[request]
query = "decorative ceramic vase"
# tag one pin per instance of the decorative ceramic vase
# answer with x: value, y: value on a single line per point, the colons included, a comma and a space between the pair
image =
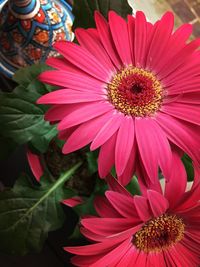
x: 28, y: 29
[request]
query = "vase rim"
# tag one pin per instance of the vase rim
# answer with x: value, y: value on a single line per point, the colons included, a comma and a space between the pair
x: 24, y: 9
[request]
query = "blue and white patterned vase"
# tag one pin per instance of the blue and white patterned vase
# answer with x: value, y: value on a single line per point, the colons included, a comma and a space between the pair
x: 28, y: 29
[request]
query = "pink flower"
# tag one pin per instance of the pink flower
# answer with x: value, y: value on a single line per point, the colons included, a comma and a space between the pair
x: 155, y: 229
x: 131, y: 89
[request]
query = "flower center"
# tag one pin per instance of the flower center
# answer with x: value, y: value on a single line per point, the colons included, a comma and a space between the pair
x: 159, y: 233
x: 135, y: 92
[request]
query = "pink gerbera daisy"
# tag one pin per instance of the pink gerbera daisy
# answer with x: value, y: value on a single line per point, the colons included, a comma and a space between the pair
x: 131, y: 89
x: 155, y: 229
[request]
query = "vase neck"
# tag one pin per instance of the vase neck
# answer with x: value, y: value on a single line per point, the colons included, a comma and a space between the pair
x: 24, y: 9
x: 21, y: 3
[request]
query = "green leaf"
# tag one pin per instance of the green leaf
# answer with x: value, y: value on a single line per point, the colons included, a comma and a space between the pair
x: 28, y: 213
x: 60, y: 143
x: 84, y: 11
x: 92, y: 161
x: 87, y: 208
x: 41, y: 143
x: 25, y: 76
x: 189, y: 167
x: 76, y: 233
x: 20, y: 117
x: 133, y: 187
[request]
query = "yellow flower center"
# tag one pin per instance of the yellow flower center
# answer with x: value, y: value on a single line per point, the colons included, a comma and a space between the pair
x: 136, y: 92
x: 159, y: 234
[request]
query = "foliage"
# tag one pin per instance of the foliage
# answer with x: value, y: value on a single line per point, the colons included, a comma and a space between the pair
x: 188, y: 167
x: 21, y: 119
x: 84, y: 11
x: 28, y: 213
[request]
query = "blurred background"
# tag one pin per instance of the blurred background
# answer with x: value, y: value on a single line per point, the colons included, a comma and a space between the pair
x: 186, y: 11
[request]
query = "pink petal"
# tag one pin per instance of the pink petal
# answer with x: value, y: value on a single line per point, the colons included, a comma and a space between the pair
x: 111, y: 239
x: 35, y: 164
x: 115, y: 254
x: 63, y: 64
x: 164, y: 149
x: 141, y: 260
x: 84, y: 113
x: 143, y: 209
x: 176, y: 185
x: 110, y: 127
x: 69, y: 96
x: 176, y: 43
x: 104, y: 208
x: 151, y: 30
x: 156, y: 260
x: 129, y: 170
x: 64, y: 135
x: 71, y: 80
x: 73, y: 202
x: 92, y: 43
x: 114, y: 185
x: 85, y: 261
x: 119, y: 31
x: 190, y: 98
x: 193, y: 236
x: 147, y: 146
x: 108, y: 226
x: 140, y: 40
x: 179, y: 59
x: 91, y: 236
x: 189, y: 199
x: 144, y: 181
x: 183, y: 86
x: 124, y: 144
x: 58, y: 112
x: 172, y: 258
x: 131, y: 31
x: 181, y: 133
x: 94, y: 32
x: 185, y: 112
x: 106, y: 157
x: 101, y: 259
x: 184, y: 256
x: 129, y: 258
x: 85, y: 133
x: 102, y: 249
x: 90, y: 250
x: 160, y: 40
x: 106, y: 39
x: 190, y: 68
x: 123, y: 205
x: 191, y: 215
x: 181, y: 35
x: 158, y: 203
x: 83, y: 59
